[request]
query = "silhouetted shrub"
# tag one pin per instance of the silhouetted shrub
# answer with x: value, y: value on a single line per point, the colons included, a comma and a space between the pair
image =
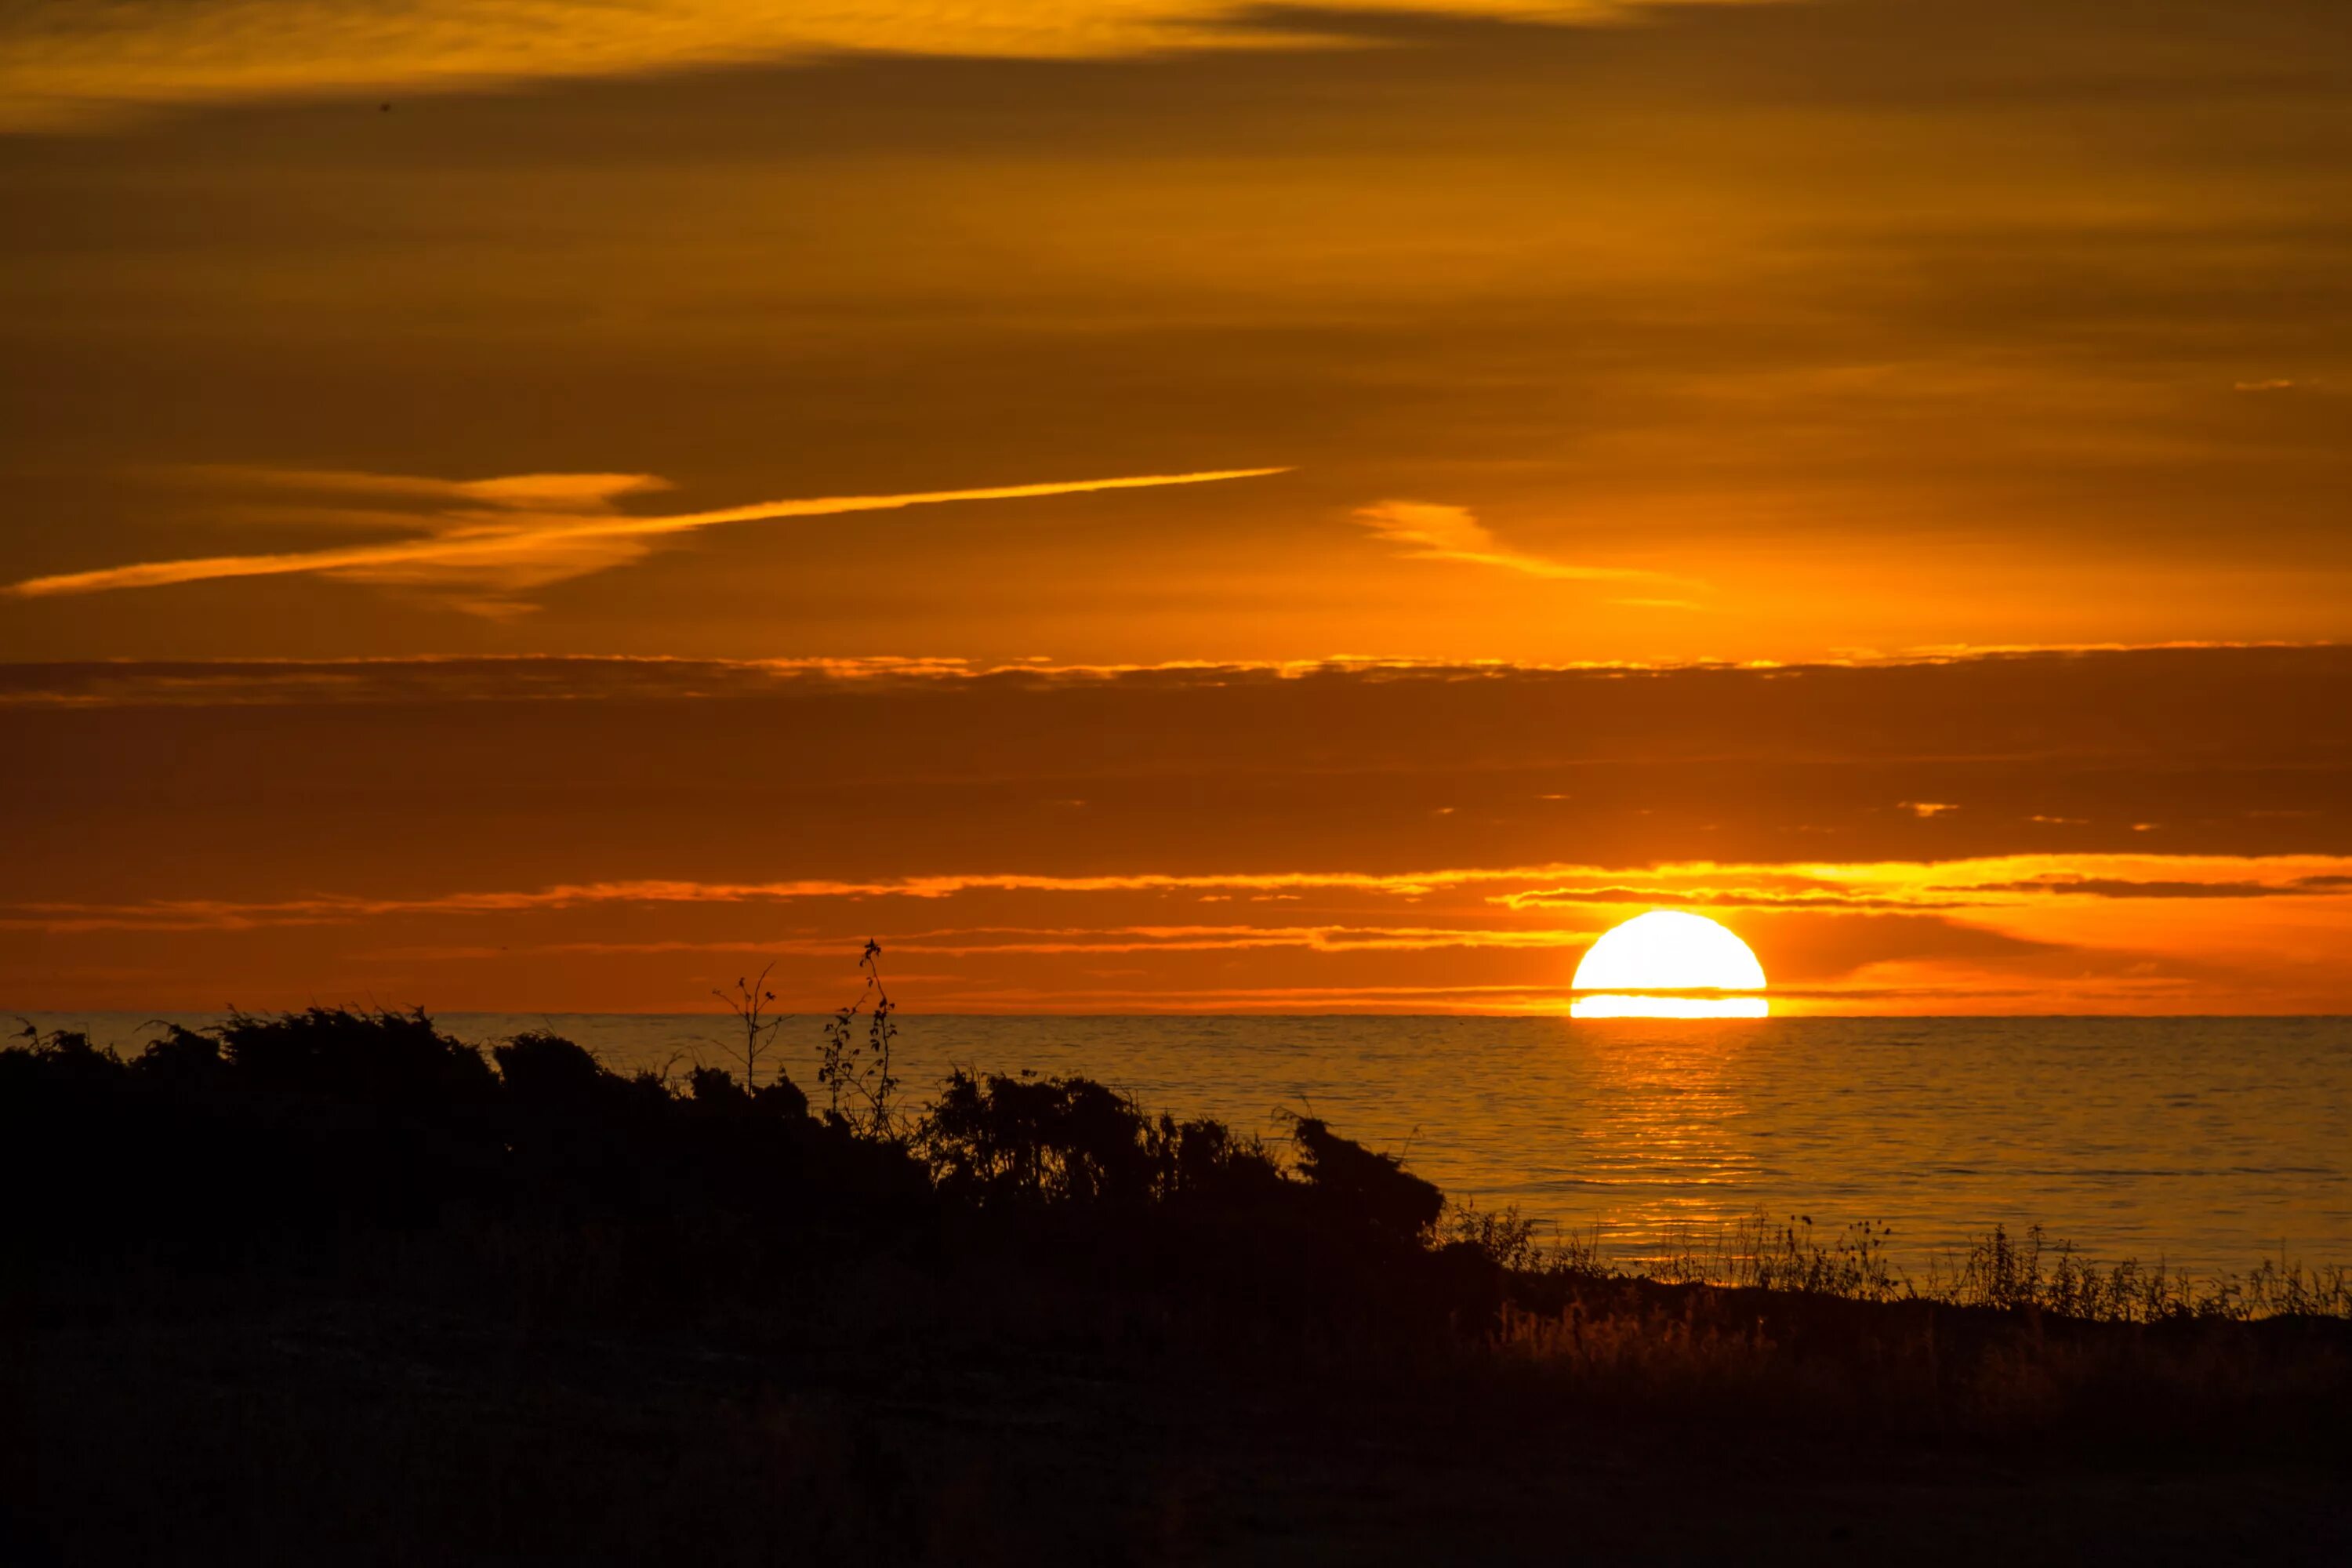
x: 1362, y: 1185
x: 999, y: 1139
x: 544, y: 1068
x: 715, y: 1091
x: 780, y: 1099
x: 64, y: 1058
x: 379, y: 1058
x: 1203, y: 1160
x: 861, y: 1090
x: 183, y: 1057
x: 1503, y: 1236
x: 715, y: 1088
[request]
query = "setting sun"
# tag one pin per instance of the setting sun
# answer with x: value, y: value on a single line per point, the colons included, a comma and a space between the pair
x: 1666, y: 951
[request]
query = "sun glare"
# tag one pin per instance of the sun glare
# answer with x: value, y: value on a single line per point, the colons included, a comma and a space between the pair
x: 1669, y: 965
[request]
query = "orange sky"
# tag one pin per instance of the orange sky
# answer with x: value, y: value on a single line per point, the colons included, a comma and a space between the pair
x: 1121, y: 500
x: 2154, y: 830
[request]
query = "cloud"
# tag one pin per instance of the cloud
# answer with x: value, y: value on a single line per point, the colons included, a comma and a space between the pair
x: 510, y: 534
x: 518, y: 492
x: 1430, y: 531
x: 666, y: 767
x: 2026, y: 695
x: 75, y: 63
x: 1443, y: 938
x: 2124, y: 887
x: 1903, y: 888
x: 217, y: 914
x: 1713, y: 897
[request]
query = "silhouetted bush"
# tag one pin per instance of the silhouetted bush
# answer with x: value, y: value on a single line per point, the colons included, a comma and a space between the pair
x: 394, y: 1060
x: 62, y: 1057
x: 1205, y: 1161
x: 541, y: 1067
x: 1358, y: 1183
x: 183, y: 1057
x: 716, y: 1090
x: 997, y: 1139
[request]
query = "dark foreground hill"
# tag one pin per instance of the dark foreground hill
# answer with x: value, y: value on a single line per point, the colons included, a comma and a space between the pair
x: 332, y: 1286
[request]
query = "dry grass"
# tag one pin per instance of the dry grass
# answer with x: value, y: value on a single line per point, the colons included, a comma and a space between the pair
x: 2027, y: 1273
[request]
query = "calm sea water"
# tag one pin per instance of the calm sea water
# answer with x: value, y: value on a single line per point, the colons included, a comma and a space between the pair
x: 2208, y: 1142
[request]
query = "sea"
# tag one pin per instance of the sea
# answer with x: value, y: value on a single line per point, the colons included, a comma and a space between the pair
x: 2207, y: 1144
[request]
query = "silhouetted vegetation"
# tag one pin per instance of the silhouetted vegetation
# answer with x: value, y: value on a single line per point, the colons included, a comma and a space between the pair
x: 1996, y: 1271
x: 749, y: 1001
x: 871, y: 1294
x: 854, y: 1067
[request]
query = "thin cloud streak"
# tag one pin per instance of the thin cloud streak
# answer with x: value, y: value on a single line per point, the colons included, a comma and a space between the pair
x: 526, y: 492
x: 1431, y: 530
x: 408, y: 679
x: 1318, y: 939
x: 522, y: 544
x: 1992, y: 883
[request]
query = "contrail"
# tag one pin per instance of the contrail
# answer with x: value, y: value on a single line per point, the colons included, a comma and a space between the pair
x: 492, y: 540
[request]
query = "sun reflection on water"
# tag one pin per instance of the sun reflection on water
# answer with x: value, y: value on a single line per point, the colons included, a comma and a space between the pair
x: 1662, y: 1102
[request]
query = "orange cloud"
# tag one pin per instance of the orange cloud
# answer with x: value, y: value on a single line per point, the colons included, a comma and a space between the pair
x: 1428, y: 531
x: 529, y: 531
x: 65, y: 67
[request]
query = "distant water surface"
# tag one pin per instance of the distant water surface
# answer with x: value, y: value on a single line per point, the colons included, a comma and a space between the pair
x: 2208, y: 1142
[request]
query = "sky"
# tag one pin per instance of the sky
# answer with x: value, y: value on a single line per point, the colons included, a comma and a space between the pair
x: 1153, y: 506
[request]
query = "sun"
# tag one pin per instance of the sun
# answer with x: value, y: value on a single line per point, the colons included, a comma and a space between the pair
x: 1694, y: 961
